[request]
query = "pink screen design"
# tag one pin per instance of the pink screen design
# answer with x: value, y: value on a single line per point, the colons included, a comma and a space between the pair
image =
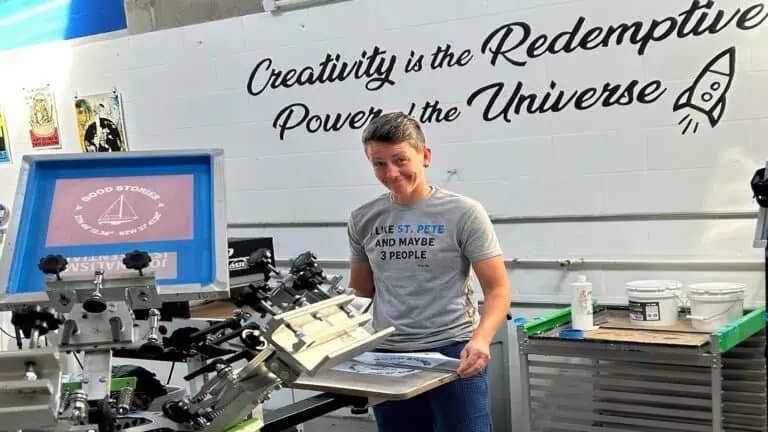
x: 109, y: 210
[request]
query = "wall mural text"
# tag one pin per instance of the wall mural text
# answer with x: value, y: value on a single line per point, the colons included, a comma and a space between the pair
x: 515, y: 44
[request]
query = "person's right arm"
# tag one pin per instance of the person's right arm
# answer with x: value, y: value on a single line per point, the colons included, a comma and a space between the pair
x: 361, y: 279
x: 360, y: 273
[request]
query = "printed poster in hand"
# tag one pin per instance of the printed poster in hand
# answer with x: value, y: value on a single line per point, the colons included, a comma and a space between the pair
x: 42, y: 117
x: 5, y: 145
x: 100, y: 123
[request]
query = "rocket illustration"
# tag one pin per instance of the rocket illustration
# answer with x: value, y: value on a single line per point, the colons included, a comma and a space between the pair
x: 708, y: 92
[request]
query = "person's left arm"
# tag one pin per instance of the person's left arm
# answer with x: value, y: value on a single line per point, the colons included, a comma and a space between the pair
x: 481, y: 244
x: 492, y: 275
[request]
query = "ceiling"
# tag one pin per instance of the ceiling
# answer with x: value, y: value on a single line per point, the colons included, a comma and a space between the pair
x: 151, y: 15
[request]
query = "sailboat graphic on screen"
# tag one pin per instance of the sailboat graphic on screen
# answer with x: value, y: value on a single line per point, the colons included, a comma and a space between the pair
x: 119, y: 212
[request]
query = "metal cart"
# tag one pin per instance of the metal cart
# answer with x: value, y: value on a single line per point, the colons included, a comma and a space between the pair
x: 625, y: 379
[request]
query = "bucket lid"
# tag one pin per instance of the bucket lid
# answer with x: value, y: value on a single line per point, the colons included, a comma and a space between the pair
x: 716, y: 288
x: 654, y: 285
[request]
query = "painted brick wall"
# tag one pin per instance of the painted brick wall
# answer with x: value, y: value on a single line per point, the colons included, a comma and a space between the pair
x: 187, y: 87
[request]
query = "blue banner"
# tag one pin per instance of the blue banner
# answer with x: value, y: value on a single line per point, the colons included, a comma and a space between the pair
x: 31, y: 22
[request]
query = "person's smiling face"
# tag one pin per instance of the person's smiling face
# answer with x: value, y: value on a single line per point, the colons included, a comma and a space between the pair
x: 400, y: 168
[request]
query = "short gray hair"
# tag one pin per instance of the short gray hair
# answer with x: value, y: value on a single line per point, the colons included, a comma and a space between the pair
x: 394, y: 128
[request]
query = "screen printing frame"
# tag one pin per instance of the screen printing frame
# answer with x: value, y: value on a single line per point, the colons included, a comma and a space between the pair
x: 216, y: 288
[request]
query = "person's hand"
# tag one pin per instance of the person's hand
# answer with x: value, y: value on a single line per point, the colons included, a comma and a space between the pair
x: 474, y: 357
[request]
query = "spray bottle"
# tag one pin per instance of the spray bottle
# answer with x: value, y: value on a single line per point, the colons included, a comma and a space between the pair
x: 581, y: 304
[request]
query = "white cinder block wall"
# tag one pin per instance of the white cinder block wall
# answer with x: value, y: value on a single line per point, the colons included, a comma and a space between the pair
x: 616, y: 147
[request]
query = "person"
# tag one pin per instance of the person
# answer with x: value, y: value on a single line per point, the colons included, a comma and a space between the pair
x: 411, y: 251
x: 100, y: 134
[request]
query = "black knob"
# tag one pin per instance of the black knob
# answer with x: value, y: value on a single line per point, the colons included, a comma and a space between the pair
x: 253, y: 340
x: 95, y: 304
x: 260, y: 257
x: 178, y: 411
x: 305, y: 260
x: 152, y: 349
x: 137, y: 260
x: 36, y: 317
x: 52, y: 264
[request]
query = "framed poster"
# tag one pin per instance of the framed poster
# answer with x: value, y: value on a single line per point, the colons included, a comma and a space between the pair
x: 5, y: 144
x: 42, y: 118
x: 100, y: 123
x: 93, y: 208
x: 4, y: 215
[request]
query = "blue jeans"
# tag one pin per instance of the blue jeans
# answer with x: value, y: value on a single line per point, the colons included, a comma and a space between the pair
x: 460, y: 406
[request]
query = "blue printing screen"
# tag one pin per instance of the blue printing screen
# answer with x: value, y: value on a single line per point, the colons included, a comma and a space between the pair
x: 196, y: 257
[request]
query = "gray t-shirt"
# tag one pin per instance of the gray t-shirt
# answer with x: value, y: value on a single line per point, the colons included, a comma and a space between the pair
x: 421, y: 257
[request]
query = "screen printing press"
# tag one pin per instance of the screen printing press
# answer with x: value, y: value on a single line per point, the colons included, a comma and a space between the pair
x: 101, y: 248
x: 357, y: 383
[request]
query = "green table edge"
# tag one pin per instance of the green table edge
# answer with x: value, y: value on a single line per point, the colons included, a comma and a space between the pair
x: 547, y: 321
x: 246, y: 426
x: 728, y: 336
x: 740, y: 330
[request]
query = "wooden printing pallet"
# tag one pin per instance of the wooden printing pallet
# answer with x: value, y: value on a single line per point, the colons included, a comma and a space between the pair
x: 683, y: 325
x: 647, y: 336
x: 615, y: 326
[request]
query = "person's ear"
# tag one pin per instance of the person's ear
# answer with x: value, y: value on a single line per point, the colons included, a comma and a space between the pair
x: 427, y: 156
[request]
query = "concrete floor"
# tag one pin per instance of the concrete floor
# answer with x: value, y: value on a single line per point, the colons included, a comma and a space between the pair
x: 337, y: 424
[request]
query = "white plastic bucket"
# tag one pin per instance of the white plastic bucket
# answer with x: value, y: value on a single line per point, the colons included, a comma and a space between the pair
x: 715, y: 304
x: 654, y: 302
